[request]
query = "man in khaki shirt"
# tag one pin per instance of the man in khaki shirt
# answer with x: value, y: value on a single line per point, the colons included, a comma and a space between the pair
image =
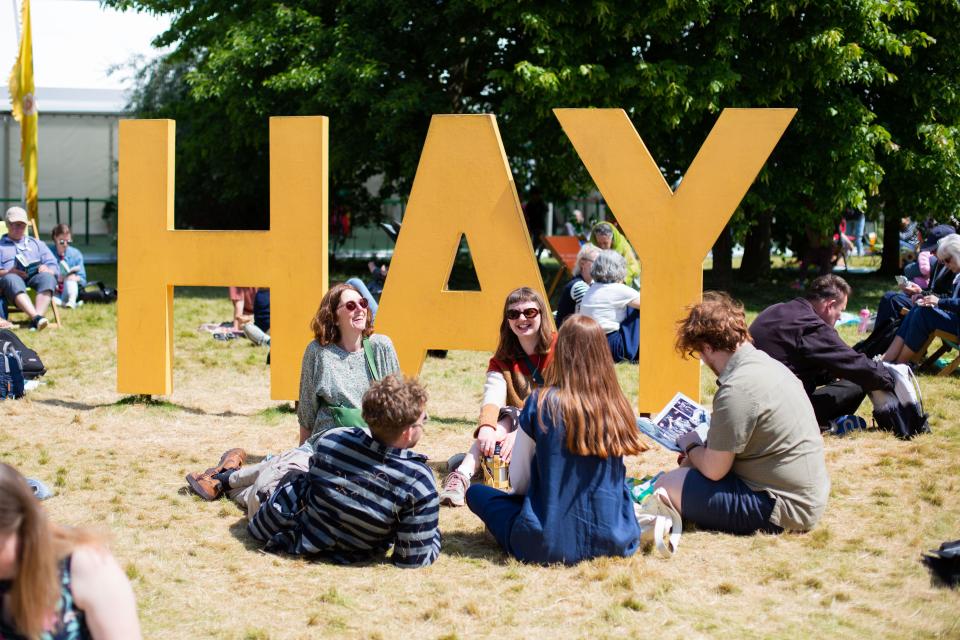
x: 762, y: 467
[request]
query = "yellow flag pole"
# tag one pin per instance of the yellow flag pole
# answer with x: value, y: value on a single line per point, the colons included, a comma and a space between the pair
x: 24, y: 108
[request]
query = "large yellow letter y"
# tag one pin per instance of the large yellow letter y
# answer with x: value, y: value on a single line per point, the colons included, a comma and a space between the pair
x: 671, y: 232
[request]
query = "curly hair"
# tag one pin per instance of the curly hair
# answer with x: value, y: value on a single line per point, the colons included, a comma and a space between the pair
x: 393, y: 404
x: 324, y: 323
x: 717, y: 321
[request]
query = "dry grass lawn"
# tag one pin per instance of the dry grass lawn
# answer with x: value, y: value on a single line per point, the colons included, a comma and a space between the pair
x: 120, y: 467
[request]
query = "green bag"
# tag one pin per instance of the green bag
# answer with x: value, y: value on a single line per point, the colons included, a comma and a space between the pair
x: 350, y: 416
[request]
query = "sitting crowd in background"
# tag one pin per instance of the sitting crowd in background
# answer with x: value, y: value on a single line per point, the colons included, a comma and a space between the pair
x: 937, y: 309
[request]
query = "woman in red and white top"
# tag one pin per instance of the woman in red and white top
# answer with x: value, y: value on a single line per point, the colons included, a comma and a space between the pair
x: 515, y: 370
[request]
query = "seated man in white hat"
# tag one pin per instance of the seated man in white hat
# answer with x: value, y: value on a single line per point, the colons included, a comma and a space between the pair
x: 26, y: 262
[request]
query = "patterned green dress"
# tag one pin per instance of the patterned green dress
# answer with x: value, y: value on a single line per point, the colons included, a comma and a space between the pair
x: 67, y: 623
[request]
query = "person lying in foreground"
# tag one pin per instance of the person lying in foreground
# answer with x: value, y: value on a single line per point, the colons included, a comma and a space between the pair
x: 363, y: 492
x: 56, y: 583
x: 570, y: 500
x: 762, y: 467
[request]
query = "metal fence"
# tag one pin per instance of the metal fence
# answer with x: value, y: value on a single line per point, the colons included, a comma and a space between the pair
x: 65, y: 207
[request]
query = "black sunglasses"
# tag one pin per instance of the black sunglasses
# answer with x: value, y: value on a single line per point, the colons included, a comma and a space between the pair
x: 528, y: 313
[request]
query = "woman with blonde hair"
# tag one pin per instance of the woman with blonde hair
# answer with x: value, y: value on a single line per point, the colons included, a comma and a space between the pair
x: 56, y: 583
x: 570, y: 500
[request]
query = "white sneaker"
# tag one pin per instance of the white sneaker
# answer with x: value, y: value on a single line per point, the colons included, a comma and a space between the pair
x: 454, y: 490
x: 70, y: 304
x: 56, y: 301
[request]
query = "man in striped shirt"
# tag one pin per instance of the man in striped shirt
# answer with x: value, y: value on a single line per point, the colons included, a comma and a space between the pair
x: 363, y: 493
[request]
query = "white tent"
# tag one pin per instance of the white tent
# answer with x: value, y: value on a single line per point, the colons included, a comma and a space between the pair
x: 76, y: 44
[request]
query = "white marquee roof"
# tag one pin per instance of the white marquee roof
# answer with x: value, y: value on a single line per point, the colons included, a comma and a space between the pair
x: 76, y: 43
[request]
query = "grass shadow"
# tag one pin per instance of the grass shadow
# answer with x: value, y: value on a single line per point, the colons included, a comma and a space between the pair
x: 166, y: 405
x: 478, y: 545
x: 239, y: 531
x: 76, y: 406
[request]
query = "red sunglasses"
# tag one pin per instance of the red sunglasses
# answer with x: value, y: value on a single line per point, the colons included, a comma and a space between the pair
x: 352, y: 305
x: 528, y: 313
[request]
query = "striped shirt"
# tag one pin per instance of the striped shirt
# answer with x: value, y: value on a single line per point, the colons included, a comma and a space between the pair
x: 359, y: 498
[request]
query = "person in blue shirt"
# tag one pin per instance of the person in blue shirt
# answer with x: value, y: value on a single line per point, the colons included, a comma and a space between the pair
x: 72, y: 273
x: 931, y: 312
x: 570, y: 500
x: 20, y: 254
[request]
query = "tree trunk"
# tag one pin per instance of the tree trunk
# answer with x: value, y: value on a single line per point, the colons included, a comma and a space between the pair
x: 756, y: 248
x: 890, y: 262
x: 722, y: 272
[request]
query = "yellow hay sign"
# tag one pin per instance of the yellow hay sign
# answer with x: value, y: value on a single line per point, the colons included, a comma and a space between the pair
x: 463, y: 188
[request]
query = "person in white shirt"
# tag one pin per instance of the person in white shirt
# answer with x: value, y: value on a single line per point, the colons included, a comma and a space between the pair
x: 614, y: 305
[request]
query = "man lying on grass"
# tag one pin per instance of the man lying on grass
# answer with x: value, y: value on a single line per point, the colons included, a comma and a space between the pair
x: 363, y: 493
x: 762, y: 467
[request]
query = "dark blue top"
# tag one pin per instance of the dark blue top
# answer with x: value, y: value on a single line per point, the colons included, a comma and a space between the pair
x: 567, y: 305
x: 577, y: 507
x: 949, y: 304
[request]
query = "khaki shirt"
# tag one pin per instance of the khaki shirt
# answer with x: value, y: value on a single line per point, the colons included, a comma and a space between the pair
x: 762, y: 414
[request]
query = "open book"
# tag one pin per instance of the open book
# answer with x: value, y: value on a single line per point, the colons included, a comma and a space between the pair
x: 680, y: 416
x: 66, y: 269
x: 30, y: 268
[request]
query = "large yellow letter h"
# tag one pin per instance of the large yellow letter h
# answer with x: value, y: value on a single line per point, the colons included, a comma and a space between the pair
x: 290, y: 258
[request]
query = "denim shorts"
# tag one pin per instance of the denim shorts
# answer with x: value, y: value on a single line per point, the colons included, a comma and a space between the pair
x: 726, y: 505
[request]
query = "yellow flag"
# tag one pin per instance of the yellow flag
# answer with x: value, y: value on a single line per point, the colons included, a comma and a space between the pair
x: 24, y: 107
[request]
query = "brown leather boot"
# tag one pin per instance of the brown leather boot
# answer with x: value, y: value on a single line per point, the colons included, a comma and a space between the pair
x: 205, y: 485
x: 231, y: 459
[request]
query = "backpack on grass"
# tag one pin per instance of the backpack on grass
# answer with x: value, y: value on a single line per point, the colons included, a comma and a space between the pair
x: 11, y: 372
x: 29, y: 360
x: 97, y: 293
x: 901, y: 411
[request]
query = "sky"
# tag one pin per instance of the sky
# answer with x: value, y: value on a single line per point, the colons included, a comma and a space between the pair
x: 75, y: 42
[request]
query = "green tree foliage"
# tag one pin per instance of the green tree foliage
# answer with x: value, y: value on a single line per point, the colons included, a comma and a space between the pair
x: 858, y: 71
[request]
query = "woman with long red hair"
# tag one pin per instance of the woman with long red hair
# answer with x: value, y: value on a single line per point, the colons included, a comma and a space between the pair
x: 56, y: 583
x: 570, y: 501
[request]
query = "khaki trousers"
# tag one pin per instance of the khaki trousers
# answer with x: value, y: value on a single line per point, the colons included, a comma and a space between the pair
x: 252, y: 484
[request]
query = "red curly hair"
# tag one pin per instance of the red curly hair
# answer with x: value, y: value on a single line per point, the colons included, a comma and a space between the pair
x: 717, y: 321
